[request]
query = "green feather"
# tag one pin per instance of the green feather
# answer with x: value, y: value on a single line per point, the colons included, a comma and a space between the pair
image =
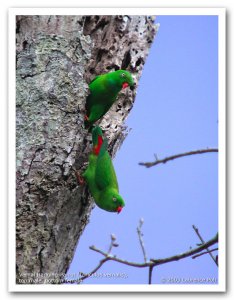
x: 105, y: 173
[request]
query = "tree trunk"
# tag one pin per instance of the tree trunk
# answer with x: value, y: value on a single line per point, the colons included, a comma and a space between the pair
x: 56, y: 57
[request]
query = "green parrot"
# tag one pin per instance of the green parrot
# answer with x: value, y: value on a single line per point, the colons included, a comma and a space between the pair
x: 100, y: 175
x: 103, y: 93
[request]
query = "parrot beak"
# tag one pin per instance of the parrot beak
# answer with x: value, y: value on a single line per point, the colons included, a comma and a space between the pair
x: 125, y: 85
x: 119, y: 208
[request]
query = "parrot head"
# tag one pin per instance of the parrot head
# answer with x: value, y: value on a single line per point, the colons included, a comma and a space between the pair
x: 111, y: 201
x: 123, y: 78
x: 118, y: 203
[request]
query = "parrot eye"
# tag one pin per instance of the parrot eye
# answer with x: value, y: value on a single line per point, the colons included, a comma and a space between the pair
x: 114, y: 199
x: 123, y: 75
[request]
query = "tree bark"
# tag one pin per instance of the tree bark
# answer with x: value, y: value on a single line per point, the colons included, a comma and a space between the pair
x: 56, y: 57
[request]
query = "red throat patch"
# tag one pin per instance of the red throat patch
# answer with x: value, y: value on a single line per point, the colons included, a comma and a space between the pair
x: 124, y: 85
x: 96, y: 148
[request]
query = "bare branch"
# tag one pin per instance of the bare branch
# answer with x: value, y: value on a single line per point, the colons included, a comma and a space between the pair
x: 201, y: 239
x: 205, y: 252
x: 152, y: 263
x: 140, y: 235
x: 122, y: 261
x: 166, y: 159
x: 204, y: 246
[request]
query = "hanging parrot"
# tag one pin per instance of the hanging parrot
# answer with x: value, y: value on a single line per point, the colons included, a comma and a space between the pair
x: 103, y: 93
x: 100, y: 175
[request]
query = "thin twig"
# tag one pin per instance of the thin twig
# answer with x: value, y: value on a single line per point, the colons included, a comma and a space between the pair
x: 191, y: 252
x: 201, y: 239
x: 122, y: 261
x: 107, y: 257
x: 150, y: 274
x: 140, y: 235
x: 94, y: 270
x: 166, y: 159
x: 112, y: 244
x: 205, y: 252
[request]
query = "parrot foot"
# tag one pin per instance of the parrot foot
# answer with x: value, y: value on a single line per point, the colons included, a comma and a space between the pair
x: 79, y: 178
x: 86, y: 122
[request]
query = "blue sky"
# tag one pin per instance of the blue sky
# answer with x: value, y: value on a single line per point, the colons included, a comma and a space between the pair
x: 176, y: 110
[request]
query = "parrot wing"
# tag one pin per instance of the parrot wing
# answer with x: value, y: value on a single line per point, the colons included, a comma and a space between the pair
x: 105, y: 173
x: 92, y: 99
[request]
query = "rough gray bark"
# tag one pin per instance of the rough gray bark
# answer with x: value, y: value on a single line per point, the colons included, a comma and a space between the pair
x: 56, y: 57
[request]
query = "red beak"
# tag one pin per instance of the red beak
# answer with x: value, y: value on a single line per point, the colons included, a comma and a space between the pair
x: 119, y: 208
x: 124, y: 85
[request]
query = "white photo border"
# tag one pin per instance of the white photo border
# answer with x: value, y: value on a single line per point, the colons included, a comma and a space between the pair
x: 221, y: 286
